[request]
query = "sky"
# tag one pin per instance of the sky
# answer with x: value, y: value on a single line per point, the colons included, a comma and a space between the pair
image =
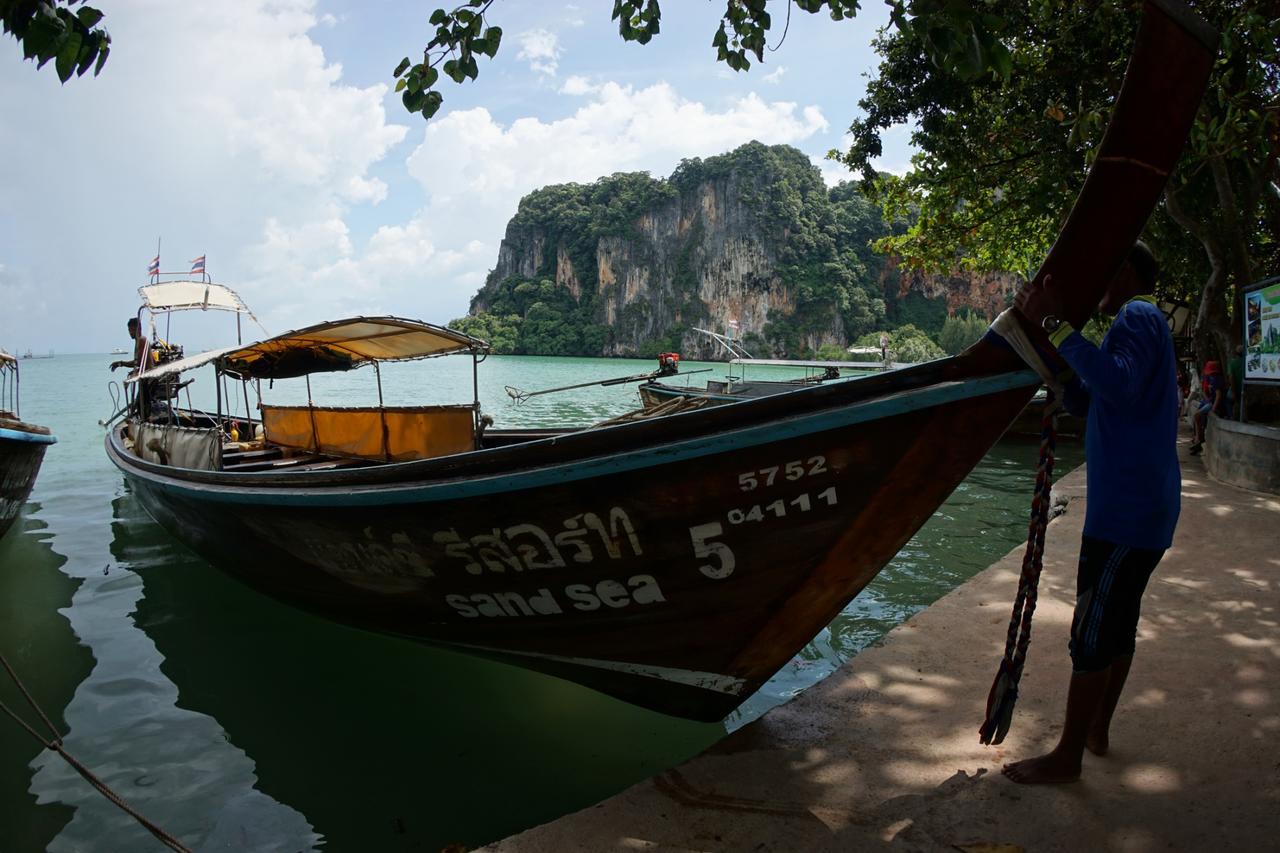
x: 265, y: 135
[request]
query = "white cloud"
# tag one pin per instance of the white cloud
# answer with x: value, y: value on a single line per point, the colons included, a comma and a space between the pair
x: 541, y: 49
x: 225, y: 129
x: 775, y: 76
x: 577, y: 85
x: 620, y: 128
x: 475, y: 169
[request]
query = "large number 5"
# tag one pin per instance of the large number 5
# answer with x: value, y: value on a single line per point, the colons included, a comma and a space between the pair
x: 720, y: 551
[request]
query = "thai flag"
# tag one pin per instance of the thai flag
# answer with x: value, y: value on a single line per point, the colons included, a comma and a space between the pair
x: 153, y: 268
x: 197, y: 266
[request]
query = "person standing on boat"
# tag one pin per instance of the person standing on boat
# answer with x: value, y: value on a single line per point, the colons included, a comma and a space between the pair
x: 146, y: 388
x: 139, y: 345
x: 1129, y: 388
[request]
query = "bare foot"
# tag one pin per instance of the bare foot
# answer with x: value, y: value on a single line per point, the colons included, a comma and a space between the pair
x: 1097, y: 743
x: 1050, y: 769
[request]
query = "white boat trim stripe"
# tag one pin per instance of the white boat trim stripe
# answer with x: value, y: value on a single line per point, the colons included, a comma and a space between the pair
x: 727, y: 684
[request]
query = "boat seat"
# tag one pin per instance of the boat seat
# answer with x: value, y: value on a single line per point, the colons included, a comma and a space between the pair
x: 272, y: 464
x: 328, y: 464
x: 248, y: 455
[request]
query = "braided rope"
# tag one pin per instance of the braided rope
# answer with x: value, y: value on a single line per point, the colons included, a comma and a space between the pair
x: 55, y: 744
x: 1004, y: 689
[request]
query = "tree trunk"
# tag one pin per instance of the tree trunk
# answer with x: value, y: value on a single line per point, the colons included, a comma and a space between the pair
x: 1212, y: 328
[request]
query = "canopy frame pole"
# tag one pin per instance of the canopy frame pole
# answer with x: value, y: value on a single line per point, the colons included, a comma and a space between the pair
x: 475, y: 403
x: 382, y: 415
x: 311, y: 409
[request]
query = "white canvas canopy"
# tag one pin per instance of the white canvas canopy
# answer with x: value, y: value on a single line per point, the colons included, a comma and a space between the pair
x: 173, y: 368
x: 188, y: 295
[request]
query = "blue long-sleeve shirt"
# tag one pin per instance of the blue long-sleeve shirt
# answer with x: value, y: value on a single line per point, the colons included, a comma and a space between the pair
x: 1130, y: 389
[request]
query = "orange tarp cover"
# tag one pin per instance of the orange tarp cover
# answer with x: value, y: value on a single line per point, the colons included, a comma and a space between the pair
x: 390, y: 434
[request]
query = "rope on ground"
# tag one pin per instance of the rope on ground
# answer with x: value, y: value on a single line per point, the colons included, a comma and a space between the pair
x: 55, y: 744
x: 1004, y: 689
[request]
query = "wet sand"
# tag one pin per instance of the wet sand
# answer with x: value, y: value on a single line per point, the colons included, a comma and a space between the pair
x: 884, y: 753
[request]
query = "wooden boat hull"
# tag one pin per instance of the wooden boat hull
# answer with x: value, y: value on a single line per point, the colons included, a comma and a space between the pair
x: 1028, y: 423
x: 678, y: 562
x: 22, y: 448
x: 679, y: 574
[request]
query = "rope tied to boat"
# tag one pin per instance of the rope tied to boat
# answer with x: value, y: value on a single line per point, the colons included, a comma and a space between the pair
x: 55, y: 744
x: 1007, y: 326
x: 1004, y: 689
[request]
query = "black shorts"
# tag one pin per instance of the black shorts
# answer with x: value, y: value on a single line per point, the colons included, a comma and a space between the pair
x: 1109, y: 586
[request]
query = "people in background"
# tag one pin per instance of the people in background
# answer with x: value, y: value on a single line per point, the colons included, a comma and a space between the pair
x: 1215, y: 400
x: 1184, y: 387
x: 139, y: 345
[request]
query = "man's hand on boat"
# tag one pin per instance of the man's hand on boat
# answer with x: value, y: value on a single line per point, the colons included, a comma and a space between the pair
x: 1039, y: 299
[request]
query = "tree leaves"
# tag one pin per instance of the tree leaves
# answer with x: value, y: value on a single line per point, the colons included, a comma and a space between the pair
x: 460, y: 36
x: 48, y: 30
x: 955, y: 35
x: 1002, y: 156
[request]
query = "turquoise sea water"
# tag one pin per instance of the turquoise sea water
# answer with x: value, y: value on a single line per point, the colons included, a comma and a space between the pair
x: 238, y: 723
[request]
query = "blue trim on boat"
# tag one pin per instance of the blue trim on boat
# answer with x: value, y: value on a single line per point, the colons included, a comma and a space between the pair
x: 382, y: 494
x: 28, y: 437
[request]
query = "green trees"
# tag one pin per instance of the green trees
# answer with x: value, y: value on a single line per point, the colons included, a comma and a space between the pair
x: 502, y: 332
x: 907, y: 343
x: 527, y: 317
x: 960, y: 330
x: 1001, y: 158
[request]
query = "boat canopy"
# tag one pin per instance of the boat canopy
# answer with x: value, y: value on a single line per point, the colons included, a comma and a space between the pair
x: 5, y: 357
x: 187, y: 295
x: 331, y: 346
x: 173, y: 368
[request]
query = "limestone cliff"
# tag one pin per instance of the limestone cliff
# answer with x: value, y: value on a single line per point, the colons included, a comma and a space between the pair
x: 631, y: 265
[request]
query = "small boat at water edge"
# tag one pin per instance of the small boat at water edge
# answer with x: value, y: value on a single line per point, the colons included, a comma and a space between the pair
x: 676, y: 562
x: 22, y: 447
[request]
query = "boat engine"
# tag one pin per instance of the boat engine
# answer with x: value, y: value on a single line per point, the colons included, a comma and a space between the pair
x: 668, y: 363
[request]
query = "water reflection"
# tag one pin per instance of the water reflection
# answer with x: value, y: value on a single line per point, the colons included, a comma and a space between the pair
x: 382, y: 743
x: 38, y: 642
x: 124, y: 721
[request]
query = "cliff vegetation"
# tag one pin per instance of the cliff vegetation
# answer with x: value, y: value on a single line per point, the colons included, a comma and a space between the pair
x: 634, y: 265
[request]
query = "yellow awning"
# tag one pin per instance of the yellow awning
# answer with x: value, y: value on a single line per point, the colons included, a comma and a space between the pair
x: 345, y: 344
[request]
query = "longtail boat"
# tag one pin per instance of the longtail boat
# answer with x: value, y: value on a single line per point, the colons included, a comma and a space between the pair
x: 22, y: 447
x: 675, y: 562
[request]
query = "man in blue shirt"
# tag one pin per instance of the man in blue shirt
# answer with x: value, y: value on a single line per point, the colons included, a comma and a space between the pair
x: 1129, y: 389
